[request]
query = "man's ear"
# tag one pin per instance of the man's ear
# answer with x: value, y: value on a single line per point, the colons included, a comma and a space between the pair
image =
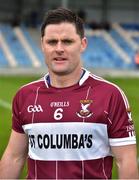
x: 83, y: 44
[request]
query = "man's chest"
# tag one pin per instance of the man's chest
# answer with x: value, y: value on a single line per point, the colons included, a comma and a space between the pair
x: 75, y: 106
x: 62, y: 124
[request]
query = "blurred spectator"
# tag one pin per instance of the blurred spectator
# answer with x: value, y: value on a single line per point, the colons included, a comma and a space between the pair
x: 100, y: 26
x: 16, y: 20
x: 82, y: 14
x: 33, y: 18
x: 136, y: 59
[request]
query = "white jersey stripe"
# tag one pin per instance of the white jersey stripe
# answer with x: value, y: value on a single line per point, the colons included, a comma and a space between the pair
x: 52, y: 142
x: 82, y: 169
x: 56, y: 170
x: 88, y: 92
x: 37, y: 92
x: 103, y: 165
x: 67, y: 145
x: 35, y: 170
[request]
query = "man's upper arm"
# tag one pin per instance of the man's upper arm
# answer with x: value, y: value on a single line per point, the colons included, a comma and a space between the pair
x: 124, y: 152
x: 126, y: 160
x: 17, y: 146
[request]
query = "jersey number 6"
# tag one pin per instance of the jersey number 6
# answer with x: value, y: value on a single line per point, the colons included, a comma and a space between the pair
x: 58, y: 114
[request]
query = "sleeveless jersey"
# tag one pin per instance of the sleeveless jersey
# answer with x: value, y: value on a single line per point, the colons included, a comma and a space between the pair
x: 70, y: 130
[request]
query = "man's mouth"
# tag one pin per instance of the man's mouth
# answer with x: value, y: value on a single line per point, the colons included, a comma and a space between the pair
x: 59, y: 59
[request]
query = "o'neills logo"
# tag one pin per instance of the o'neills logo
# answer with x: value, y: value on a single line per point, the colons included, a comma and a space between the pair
x: 85, y: 112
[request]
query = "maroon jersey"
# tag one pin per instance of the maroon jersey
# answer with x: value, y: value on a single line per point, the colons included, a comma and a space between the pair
x: 70, y: 130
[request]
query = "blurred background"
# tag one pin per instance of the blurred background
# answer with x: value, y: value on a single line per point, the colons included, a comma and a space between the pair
x: 112, y: 29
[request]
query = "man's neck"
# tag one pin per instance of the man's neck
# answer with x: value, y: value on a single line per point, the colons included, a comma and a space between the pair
x: 61, y: 81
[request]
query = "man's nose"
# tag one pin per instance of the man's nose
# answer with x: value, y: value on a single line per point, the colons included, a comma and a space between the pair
x: 59, y: 47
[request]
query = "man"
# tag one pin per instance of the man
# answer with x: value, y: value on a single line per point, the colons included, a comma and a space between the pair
x: 70, y: 123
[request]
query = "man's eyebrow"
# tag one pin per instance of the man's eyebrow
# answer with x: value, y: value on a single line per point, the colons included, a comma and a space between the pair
x: 62, y: 39
x: 49, y: 39
x: 69, y: 39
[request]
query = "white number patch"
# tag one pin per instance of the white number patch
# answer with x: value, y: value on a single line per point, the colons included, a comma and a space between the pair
x: 58, y: 114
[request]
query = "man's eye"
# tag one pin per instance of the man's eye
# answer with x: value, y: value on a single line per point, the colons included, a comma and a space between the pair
x: 67, y: 41
x: 52, y: 42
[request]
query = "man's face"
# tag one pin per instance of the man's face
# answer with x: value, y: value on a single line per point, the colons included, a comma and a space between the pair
x: 62, y: 48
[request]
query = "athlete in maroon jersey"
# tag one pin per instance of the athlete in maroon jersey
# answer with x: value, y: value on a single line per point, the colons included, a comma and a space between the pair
x: 70, y: 123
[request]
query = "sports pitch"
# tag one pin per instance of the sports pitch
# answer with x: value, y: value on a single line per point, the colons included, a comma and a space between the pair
x: 9, y: 86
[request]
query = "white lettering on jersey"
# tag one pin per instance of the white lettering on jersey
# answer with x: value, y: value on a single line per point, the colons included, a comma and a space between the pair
x: 34, y: 108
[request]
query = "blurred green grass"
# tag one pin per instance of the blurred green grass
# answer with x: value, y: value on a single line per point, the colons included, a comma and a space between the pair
x: 10, y: 84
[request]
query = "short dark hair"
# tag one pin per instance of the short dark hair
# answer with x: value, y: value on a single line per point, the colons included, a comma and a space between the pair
x: 60, y: 15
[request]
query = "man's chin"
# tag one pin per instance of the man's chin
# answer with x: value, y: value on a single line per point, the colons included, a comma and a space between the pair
x: 61, y: 72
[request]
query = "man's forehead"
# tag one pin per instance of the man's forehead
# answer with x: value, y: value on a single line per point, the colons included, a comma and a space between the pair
x: 64, y: 28
x: 59, y: 38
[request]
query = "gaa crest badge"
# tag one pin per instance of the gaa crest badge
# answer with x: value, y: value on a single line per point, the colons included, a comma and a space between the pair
x: 85, y: 112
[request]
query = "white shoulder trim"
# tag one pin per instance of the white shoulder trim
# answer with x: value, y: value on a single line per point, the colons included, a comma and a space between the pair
x: 122, y: 141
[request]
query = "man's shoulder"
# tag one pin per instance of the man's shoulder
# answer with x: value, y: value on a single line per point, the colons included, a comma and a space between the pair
x: 31, y: 87
x: 34, y: 84
x: 104, y: 85
x: 97, y: 80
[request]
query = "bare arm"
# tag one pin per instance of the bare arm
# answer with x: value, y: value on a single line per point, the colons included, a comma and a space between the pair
x: 126, y: 160
x: 14, y: 156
